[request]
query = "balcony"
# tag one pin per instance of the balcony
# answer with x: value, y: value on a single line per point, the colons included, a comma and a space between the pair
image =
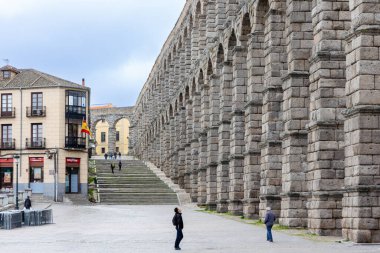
x: 36, y: 143
x: 36, y: 111
x: 10, y: 113
x: 75, y: 142
x: 7, y: 144
x: 75, y: 112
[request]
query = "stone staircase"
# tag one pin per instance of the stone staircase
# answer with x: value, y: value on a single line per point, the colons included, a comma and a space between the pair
x: 135, y: 184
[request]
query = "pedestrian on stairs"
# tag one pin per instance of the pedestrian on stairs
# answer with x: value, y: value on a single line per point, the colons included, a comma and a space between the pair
x: 178, y: 223
x: 105, y: 156
x: 119, y: 155
x: 112, y: 167
x: 120, y: 165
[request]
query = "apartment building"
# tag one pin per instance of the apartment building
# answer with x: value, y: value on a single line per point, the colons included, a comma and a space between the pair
x: 41, y: 139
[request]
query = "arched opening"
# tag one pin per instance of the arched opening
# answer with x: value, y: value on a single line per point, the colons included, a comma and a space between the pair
x: 171, y: 111
x: 245, y: 29
x: 193, y: 88
x: 220, y: 55
x: 181, y: 102
x: 122, y: 136
x: 232, y: 41
x: 262, y: 10
x: 209, y: 68
x: 101, y: 137
x: 187, y: 93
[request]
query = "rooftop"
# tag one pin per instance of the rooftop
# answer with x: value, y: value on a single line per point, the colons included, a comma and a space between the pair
x: 31, y: 78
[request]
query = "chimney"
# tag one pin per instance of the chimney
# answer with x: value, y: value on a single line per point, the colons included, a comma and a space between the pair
x: 83, y: 82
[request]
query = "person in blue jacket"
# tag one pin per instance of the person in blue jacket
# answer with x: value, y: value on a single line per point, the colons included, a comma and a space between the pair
x: 270, y: 218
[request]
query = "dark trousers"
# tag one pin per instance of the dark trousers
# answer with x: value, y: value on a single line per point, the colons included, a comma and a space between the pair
x: 269, y: 233
x: 179, y: 238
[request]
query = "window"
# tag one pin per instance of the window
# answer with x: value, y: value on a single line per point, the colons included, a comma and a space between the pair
x: 117, y: 136
x: 76, y: 98
x: 37, y: 134
x: 103, y: 137
x: 36, y: 175
x: 6, y: 74
x: 74, y: 137
x: 6, y: 104
x: 6, y: 137
x: 117, y: 149
x: 37, y: 101
x: 103, y: 150
x: 6, y: 133
x: 75, y: 104
x: 72, y: 130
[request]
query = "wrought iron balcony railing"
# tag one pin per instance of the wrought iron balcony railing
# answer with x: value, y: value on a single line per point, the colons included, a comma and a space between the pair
x: 36, y: 143
x: 8, y: 112
x: 75, y: 142
x: 36, y: 111
x: 7, y: 144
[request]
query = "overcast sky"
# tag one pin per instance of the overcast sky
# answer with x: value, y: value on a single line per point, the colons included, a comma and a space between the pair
x: 111, y: 43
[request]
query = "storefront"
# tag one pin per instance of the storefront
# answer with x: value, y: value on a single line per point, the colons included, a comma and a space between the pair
x: 36, y: 174
x: 72, y: 175
x: 6, y: 174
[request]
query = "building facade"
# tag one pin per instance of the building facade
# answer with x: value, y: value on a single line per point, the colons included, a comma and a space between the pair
x: 111, y: 128
x: 41, y: 140
x: 272, y: 103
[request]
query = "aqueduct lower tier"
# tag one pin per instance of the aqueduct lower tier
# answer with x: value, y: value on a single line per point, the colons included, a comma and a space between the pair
x: 271, y: 103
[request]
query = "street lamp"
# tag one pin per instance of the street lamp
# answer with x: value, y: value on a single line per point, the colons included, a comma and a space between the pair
x: 16, y: 157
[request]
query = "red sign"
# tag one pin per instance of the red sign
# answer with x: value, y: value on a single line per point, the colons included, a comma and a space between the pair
x: 73, y: 161
x: 36, y: 159
x: 6, y: 160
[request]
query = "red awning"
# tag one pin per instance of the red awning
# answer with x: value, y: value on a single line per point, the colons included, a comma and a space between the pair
x: 6, y: 162
x: 36, y: 161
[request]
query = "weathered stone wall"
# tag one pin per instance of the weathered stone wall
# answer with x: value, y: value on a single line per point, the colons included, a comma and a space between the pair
x: 112, y: 116
x: 271, y: 103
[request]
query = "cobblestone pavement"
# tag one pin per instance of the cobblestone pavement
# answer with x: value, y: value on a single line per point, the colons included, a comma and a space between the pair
x: 148, y: 229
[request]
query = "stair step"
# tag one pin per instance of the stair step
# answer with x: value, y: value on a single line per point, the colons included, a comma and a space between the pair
x: 135, y: 184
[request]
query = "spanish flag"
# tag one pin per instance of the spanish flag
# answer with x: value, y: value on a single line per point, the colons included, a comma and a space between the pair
x: 85, y: 128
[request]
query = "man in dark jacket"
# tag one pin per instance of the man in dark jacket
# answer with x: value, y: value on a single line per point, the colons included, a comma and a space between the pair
x: 269, y: 221
x: 112, y: 167
x: 27, y: 203
x: 178, y: 223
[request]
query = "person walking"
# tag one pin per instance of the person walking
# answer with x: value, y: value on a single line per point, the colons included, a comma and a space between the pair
x: 105, y: 156
x: 120, y: 165
x: 112, y: 167
x: 115, y: 155
x: 178, y: 223
x: 119, y: 155
x: 270, y: 218
x: 27, y: 203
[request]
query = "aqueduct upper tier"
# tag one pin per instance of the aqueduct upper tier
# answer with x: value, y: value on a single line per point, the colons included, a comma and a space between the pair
x: 273, y: 103
x: 112, y: 115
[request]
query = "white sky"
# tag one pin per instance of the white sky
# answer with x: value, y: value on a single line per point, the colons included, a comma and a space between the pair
x: 111, y: 43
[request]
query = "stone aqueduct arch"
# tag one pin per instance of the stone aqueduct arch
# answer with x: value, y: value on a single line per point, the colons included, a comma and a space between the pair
x: 273, y: 103
x: 112, y: 116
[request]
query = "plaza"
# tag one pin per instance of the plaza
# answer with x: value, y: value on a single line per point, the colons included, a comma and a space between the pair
x: 106, y: 228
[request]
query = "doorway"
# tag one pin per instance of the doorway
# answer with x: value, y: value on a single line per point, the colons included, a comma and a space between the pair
x: 72, y: 180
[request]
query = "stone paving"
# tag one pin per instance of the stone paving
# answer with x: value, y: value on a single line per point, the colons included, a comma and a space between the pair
x: 148, y: 229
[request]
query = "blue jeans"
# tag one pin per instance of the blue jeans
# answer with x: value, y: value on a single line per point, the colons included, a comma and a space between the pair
x: 179, y: 237
x: 269, y: 233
